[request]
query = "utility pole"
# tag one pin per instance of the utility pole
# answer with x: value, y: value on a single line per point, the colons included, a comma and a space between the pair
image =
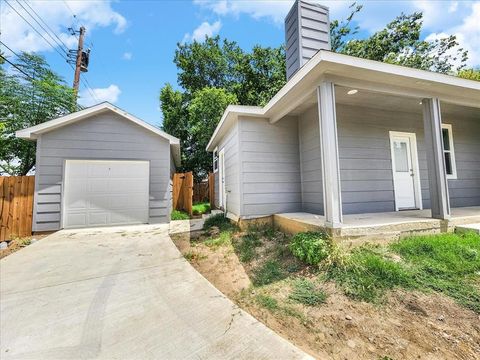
x: 78, y: 62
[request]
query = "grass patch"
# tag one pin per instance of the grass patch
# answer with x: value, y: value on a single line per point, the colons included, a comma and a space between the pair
x: 193, y: 256
x: 267, y: 302
x: 179, y: 215
x: 223, y: 239
x: 246, y: 245
x: 446, y: 263
x: 367, y: 275
x: 200, y: 208
x: 268, y: 273
x: 305, y: 292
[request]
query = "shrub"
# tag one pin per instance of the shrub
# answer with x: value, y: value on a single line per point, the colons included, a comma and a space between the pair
x: 310, y: 247
x: 305, y: 292
x: 179, y: 215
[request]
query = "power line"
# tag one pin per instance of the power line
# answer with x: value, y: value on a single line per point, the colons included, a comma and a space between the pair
x: 43, y: 21
x: 16, y: 67
x: 35, y: 29
x: 13, y: 52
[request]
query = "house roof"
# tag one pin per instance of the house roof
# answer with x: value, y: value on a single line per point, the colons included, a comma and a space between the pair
x: 33, y: 132
x: 354, y: 72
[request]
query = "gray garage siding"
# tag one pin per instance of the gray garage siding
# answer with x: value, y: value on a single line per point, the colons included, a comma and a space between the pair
x: 310, y: 162
x: 229, y: 143
x: 105, y: 136
x: 270, y: 167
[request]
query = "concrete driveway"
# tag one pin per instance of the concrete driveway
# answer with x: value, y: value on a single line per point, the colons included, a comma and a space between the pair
x: 121, y: 293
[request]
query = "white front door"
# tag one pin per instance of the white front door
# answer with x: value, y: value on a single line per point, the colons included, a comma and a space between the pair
x: 405, y: 171
x: 221, y: 178
x: 105, y: 192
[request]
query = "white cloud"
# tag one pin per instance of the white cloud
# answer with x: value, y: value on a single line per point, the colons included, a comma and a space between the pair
x: 18, y: 35
x: 127, y: 56
x: 109, y: 94
x: 205, y: 29
x: 468, y: 34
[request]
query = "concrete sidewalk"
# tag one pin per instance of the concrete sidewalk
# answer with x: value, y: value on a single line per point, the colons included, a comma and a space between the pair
x: 121, y: 293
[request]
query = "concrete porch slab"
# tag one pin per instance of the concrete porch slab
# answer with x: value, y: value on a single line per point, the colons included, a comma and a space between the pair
x: 467, y: 228
x: 378, y: 226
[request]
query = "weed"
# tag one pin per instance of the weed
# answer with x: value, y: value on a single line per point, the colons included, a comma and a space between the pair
x: 179, y: 215
x: 267, y: 302
x: 310, y: 247
x: 223, y: 239
x: 193, y: 256
x: 367, y: 275
x: 268, y: 273
x: 305, y: 292
x: 246, y: 245
x: 220, y: 221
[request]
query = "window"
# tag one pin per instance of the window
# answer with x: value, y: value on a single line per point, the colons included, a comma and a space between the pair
x: 215, y: 160
x: 448, y: 152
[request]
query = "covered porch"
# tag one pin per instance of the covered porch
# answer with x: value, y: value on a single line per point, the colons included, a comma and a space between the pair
x: 384, y: 155
x: 381, y: 226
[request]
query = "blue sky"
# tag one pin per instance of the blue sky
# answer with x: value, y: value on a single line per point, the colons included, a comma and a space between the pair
x: 133, y: 42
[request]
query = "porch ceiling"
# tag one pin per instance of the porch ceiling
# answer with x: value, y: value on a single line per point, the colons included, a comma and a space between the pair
x: 383, y: 101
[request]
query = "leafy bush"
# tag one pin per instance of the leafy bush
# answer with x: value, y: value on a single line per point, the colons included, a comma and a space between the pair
x: 220, y: 221
x: 305, y: 292
x: 268, y: 273
x: 179, y: 215
x: 310, y: 247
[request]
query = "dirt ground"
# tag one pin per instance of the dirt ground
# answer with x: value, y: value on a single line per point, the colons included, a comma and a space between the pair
x: 407, y: 325
x: 19, y: 243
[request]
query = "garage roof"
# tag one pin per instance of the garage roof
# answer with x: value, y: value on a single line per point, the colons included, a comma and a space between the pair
x: 32, y: 133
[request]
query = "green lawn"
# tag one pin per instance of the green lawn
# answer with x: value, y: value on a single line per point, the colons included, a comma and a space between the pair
x: 201, y: 208
x: 179, y: 215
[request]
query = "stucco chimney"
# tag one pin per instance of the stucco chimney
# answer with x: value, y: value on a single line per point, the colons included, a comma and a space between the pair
x: 307, y: 30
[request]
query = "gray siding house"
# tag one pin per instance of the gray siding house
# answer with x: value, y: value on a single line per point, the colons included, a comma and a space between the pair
x: 101, y: 166
x: 349, y: 136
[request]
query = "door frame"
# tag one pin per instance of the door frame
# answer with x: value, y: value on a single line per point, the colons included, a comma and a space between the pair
x: 416, y: 169
x: 222, y: 199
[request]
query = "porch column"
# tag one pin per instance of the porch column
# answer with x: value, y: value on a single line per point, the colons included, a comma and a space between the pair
x: 437, y: 176
x: 332, y: 197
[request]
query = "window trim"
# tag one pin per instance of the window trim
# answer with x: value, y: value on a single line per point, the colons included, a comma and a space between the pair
x: 448, y: 127
x: 215, y: 159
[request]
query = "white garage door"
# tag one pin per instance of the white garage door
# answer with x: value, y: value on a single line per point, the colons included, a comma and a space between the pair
x: 99, y: 193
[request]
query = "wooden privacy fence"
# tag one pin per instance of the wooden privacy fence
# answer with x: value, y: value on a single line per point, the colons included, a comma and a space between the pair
x: 183, y: 192
x: 200, y: 192
x: 16, y: 206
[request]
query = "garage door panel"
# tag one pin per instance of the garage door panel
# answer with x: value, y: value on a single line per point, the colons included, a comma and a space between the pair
x: 99, y: 193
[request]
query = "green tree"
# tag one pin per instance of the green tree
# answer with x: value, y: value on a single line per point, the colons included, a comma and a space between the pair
x: 205, y: 111
x: 30, y: 94
x: 470, y: 74
x: 400, y: 43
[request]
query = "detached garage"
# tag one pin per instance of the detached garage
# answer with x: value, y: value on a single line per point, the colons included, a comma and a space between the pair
x: 101, y: 166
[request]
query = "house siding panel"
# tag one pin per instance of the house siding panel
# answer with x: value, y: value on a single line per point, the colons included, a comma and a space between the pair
x: 365, y: 158
x: 270, y: 165
x: 310, y: 162
x: 105, y: 136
